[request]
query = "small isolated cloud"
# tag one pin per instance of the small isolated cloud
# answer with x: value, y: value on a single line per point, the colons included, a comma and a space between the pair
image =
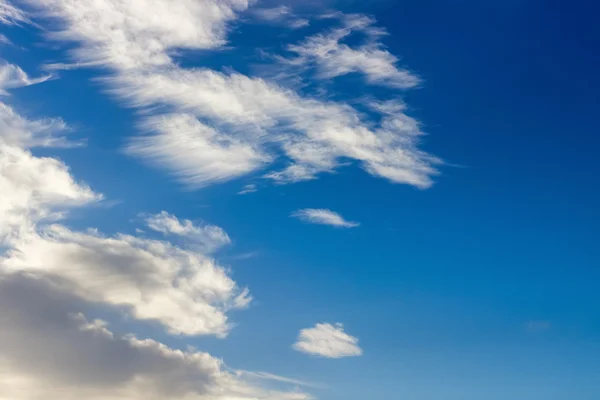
x: 281, y: 15
x: 323, y: 216
x: 208, y: 237
x: 327, y: 340
x: 248, y: 189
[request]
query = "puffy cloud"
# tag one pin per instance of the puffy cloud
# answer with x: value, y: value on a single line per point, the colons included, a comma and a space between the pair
x: 207, y: 237
x: 51, y: 349
x: 51, y: 276
x: 221, y: 126
x: 33, y: 188
x: 323, y: 217
x: 332, y: 58
x: 152, y: 280
x: 328, y: 341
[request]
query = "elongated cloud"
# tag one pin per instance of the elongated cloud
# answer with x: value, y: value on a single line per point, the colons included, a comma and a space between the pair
x: 207, y: 237
x: 11, y: 76
x: 10, y: 15
x: 328, y: 341
x: 323, y: 216
x: 281, y: 15
x: 216, y: 126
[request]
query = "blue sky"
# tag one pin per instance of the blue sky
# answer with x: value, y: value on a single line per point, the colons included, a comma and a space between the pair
x: 422, y: 173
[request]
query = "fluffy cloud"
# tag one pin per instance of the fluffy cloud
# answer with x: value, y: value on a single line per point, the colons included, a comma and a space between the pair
x: 332, y: 58
x: 33, y: 188
x: 153, y: 280
x: 323, y: 216
x: 194, y: 152
x: 221, y: 126
x: 207, y: 238
x: 327, y: 340
x: 51, y: 350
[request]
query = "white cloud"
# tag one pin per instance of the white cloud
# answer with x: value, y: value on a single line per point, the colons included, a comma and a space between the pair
x: 183, y: 290
x: 136, y: 34
x: 208, y: 238
x: 196, y: 153
x: 33, y: 188
x: 327, y: 340
x: 10, y: 14
x: 223, y: 126
x: 332, y: 58
x: 51, y: 275
x: 50, y: 349
x: 281, y: 15
x: 254, y: 117
x: 11, y: 76
x: 250, y: 188
x: 323, y: 217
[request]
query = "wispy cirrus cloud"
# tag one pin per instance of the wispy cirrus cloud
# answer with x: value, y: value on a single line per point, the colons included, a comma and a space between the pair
x: 328, y: 341
x: 323, y: 216
x: 208, y: 238
x: 281, y: 15
x: 332, y: 58
x: 11, y: 15
x: 220, y: 126
x: 12, y: 76
x: 250, y: 188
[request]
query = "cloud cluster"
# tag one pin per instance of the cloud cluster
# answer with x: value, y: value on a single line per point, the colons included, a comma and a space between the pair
x: 51, y: 277
x: 327, y: 340
x: 51, y: 350
x: 207, y: 126
x: 323, y: 216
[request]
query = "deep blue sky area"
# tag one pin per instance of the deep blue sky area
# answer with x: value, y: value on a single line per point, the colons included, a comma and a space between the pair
x: 485, y: 286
